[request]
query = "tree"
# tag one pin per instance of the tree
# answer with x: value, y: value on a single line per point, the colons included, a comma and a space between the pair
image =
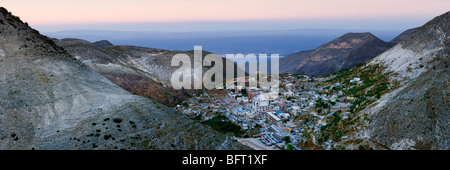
x: 289, y: 146
x: 221, y: 124
x: 287, y: 139
x: 244, y: 92
x: 199, y: 93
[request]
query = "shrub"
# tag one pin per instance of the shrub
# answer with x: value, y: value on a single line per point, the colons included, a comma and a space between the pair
x: 220, y: 123
x: 287, y: 139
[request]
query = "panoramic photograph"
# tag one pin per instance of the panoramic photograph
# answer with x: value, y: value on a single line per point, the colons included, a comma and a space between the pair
x: 224, y: 75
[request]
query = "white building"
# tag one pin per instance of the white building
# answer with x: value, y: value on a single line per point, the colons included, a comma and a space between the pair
x: 288, y: 93
x: 273, y: 118
x: 355, y: 80
x: 295, y: 110
x: 260, y: 103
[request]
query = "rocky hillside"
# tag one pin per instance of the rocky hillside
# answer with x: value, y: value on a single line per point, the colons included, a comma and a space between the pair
x: 51, y: 100
x: 402, y: 36
x: 120, y: 70
x: 139, y: 70
x: 401, y: 101
x: 157, y: 62
x: 343, y: 52
x: 415, y: 115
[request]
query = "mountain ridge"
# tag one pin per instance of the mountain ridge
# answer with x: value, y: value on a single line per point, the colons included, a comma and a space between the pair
x: 343, y: 52
x: 140, y: 70
x: 122, y: 72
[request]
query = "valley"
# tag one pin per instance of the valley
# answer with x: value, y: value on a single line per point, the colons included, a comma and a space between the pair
x: 355, y: 92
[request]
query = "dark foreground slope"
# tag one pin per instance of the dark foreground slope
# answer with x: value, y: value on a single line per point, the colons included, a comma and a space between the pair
x: 50, y: 100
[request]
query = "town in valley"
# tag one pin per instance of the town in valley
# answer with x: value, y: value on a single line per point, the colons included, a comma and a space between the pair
x: 308, y: 113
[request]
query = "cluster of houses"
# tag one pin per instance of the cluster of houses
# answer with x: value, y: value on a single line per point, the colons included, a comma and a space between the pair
x: 275, y: 116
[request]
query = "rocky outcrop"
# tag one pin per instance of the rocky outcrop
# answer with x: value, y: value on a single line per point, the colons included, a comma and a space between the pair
x: 418, y: 112
x: 102, y: 43
x: 51, y: 100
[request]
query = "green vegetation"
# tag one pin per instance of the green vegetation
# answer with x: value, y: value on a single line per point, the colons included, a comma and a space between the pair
x: 334, y: 129
x: 289, y: 146
x: 290, y: 98
x: 244, y: 92
x: 199, y: 93
x: 287, y: 139
x: 375, y: 83
x: 197, y: 117
x: 220, y: 123
x: 185, y: 104
x: 321, y: 104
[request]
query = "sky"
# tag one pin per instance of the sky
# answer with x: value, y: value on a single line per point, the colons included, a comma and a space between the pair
x: 206, y: 15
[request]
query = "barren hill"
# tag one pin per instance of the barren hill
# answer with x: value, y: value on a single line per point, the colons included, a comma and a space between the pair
x: 51, y: 100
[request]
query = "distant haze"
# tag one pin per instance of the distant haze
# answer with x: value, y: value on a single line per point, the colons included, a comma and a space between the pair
x: 282, y: 42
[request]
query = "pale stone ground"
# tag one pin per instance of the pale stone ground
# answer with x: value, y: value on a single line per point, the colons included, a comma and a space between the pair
x: 256, y: 144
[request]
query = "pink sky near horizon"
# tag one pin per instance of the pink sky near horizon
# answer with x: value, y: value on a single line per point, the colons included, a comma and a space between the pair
x: 64, y: 12
x: 110, y: 11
